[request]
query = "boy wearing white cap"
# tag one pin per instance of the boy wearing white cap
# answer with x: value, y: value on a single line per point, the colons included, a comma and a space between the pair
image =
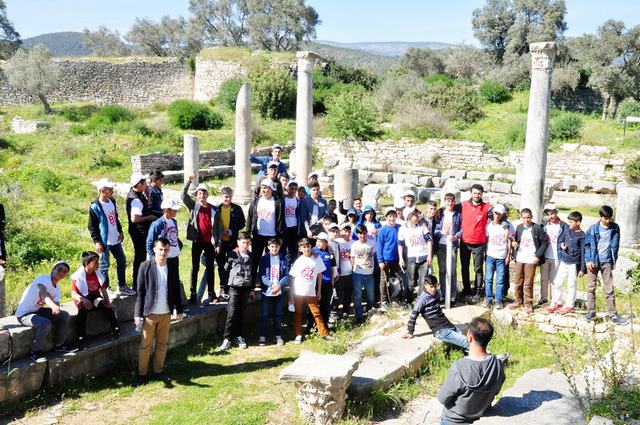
x: 548, y: 270
x: 139, y: 216
x: 498, y: 255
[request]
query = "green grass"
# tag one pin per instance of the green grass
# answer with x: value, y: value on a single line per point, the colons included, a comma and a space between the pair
x: 621, y: 405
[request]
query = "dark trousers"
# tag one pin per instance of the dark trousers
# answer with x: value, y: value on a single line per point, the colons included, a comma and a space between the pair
x: 272, y: 307
x: 235, y: 311
x: 376, y: 280
x: 417, y: 271
x: 81, y: 320
x: 225, y: 248
x: 258, y: 246
x: 139, y: 252
x: 344, y: 295
x: 209, y: 255
x: 466, y: 251
x: 390, y: 271
x: 326, y: 294
x: 290, y: 243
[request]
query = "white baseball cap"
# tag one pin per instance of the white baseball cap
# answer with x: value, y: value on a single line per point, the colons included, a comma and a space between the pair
x: 273, y: 164
x: 500, y: 209
x: 276, y: 146
x: 345, y: 225
x: 202, y: 186
x: 105, y: 184
x: 136, y: 178
x: 390, y: 210
x: 170, y: 204
x: 549, y: 207
x: 313, y: 173
x: 409, y: 193
x: 322, y: 236
x: 268, y: 183
x: 332, y: 226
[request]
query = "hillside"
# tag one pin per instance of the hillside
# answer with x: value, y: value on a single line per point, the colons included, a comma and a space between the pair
x: 388, y: 48
x: 355, y: 58
x: 60, y: 43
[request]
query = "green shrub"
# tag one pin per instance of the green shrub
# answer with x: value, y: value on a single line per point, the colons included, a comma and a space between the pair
x: 394, y: 87
x: 77, y: 113
x: 351, y: 115
x: 566, y: 126
x: 515, y: 136
x: 458, y: 102
x: 628, y: 107
x: 350, y: 75
x: 632, y: 171
x: 274, y: 93
x: 439, y: 78
x: 494, y: 92
x: 190, y: 115
x: 192, y: 65
x: 419, y: 120
x: 112, y: 114
x: 77, y: 130
x: 228, y: 94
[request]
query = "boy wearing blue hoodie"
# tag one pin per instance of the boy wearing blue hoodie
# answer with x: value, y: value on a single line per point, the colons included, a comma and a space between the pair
x: 388, y: 257
x: 601, y: 244
x: 274, y: 275
x: 571, y: 264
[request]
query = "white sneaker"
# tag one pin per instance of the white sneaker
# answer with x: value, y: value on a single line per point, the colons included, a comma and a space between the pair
x: 298, y: 340
x: 279, y: 340
x: 241, y: 343
x: 262, y: 341
x: 292, y: 308
x: 112, y: 294
x: 226, y: 345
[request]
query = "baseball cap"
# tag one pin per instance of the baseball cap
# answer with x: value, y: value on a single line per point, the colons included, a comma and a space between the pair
x: 390, y: 210
x: 105, y: 184
x: 332, y: 226
x: 500, y: 209
x: 136, y: 178
x: 272, y: 164
x: 345, y: 225
x: 202, y: 186
x: 549, y: 207
x: 268, y: 183
x: 313, y: 173
x: 409, y: 193
x: 170, y: 204
x: 276, y: 146
x: 322, y: 236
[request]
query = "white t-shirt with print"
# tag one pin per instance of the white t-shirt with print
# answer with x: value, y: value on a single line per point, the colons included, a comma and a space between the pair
x: 372, y: 235
x: 171, y: 233
x: 414, y: 239
x: 290, y: 218
x: 362, y: 258
x: 445, y: 229
x: 497, y: 241
x: 110, y: 211
x: 274, y: 275
x: 526, y: 250
x: 345, y: 257
x: 305, y: 271
x: 31, y: 302
x: 553, y: 231
x: 266, y: 211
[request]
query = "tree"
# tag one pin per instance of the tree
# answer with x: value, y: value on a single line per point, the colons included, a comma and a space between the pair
x: 509, y: 26
x: 9, y: 37
x: 423, y: 61
x: 612, y: 58
x: 34, y: 72
x: 465, y: 61
x: 222, y: 22
x: 281, y: 25
x: 105, y: 42
x: 169, y: 37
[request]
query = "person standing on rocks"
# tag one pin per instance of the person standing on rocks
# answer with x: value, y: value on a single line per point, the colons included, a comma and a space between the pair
x: 388, y: 256
x: 276, y: 152
x: 3, y: 262
x: 271, y: 174
x: 415, y: 243
x: 204, y: 231
x: 448, y: 228
x: 156, y: 180
x: 231, y: 222
x: 474, y: 240
x: 140, y: 217
x: 474, y: 381
x: 409, y: 199
x: 498, y: 257
x: 312, y: 209
x: 553, y: 227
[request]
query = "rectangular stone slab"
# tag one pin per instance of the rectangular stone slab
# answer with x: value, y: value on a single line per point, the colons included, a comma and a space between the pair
x: 329, y: 369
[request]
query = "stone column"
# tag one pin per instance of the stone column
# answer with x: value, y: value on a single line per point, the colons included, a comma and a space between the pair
x: 537, y: 138
x: 304, y: 114
x: 191, y: 157
x: 628, y: 214
x: 345, y: 185
x: 242, y: 193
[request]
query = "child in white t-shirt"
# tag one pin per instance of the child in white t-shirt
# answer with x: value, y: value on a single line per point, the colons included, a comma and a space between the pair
x: 414, y: 237
x: 344, y: 284
x: 305, y: 279
x: 498, y: 256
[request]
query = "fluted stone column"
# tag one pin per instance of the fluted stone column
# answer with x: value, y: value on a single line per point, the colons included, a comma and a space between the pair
x: 191, y: 158
x: 242, y: 193
x: 628, y: 214
x: 304, y: 114
x: 345, y: 185
x: 537, y: 140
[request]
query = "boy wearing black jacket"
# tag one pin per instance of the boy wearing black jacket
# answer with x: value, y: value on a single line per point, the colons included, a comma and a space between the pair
x: 530, y: 244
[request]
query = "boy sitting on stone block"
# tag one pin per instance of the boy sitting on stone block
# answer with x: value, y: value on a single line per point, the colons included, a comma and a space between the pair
x: 89, y: 292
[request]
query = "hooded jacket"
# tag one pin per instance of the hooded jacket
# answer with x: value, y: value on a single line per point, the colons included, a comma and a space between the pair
x: 98, y: 225
x: 470, y: 388
x: 591, y: 240
x: 192, y: 226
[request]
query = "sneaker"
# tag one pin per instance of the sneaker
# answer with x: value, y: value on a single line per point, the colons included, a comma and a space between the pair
x: 193, y: 299
x: 225, y: 346
x: 140, y: 380
x: 499, y: 305
x: 125, y: 290
x: 384, y: 307
x: 487, y: 302
x: 113, y: 335
x: 279, y: 340
x: 82, y: 344
x: 333, y: 318
x: 528, y: 309
x: 476, y: 298
x: 206, y: 301
x: 162, y: 377
x: 241, y: 343
x: 554, y: 308
x: 618, y: 320
x: 298, y: 339
x: 63, y: 349
x: 224, y: 297
x: 328, y: 338
x: 566, y: 310
x: 37, y: 357
x: 543, y: 301
x: 504, y: 358
x: 590, y: 315
x: 262, y: 341
x: 513, y: 305
x: 291, y: 308
x: 112, y: 294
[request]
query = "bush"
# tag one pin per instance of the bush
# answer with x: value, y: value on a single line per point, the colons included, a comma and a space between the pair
x: 190, y: 115
x: 419, y: 120
x: 439, y: 78
x: 348, y: 75
x: 632, y: 170
x: 112, y: 114
x: 566, y: 126
x: 458, y: 102
x: 77, y: 113
x: 628, y: 107
x: 228, y: 94
x: 274, y: 93
x: 351, y: 115
x: 494, y: 92
x: 394, y: 87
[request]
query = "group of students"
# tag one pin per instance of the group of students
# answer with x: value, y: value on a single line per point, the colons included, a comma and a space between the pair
x: 292, y: 249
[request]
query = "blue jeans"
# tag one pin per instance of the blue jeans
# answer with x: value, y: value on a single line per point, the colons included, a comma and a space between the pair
x: 43, y: 320
x: 497, y: 265
x: 360, y: 280
x: 268, y: 303
x: 121, y: 264
x: 452, y: 336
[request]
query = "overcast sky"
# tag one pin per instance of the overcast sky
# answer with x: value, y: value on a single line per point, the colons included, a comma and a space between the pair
x: 342, y: 20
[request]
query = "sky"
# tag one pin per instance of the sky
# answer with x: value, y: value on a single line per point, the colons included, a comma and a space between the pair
x: 342, y: 20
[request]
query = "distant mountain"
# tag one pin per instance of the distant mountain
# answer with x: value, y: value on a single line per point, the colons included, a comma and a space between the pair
x: 354, y: 58
x: 60, y: 43
x: 388, y: 48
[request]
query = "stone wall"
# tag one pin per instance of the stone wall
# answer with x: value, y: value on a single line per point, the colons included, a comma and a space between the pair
x: 132, y: 82
x: 210, y: 74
